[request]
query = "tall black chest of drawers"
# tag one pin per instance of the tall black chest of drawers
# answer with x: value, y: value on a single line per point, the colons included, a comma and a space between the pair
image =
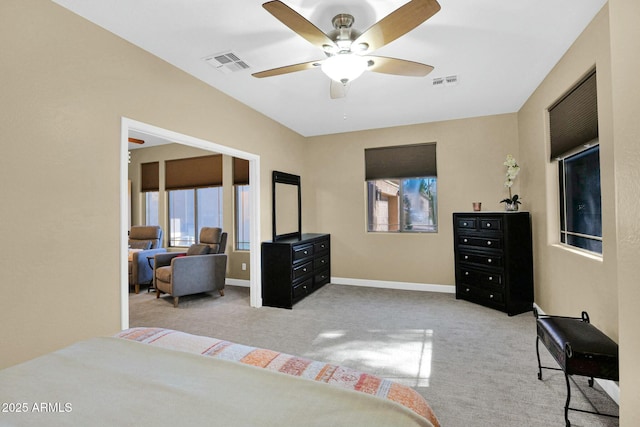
x: 494, y: 260
x: 294, y: 268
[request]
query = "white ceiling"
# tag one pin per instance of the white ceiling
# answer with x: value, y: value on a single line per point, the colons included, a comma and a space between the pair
x: 499, y: 49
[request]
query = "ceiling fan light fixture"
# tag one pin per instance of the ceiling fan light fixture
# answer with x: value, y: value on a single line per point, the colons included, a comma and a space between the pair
x: 344, y: 67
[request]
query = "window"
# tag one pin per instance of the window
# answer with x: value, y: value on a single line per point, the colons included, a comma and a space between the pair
x: 573, y: 122
x: 580, y: 203
x: 190, y: 210
x: 242, y: 217
x: 402, y: 205
x: 151, y: 214
x: 402, y: 188
x: 241, y: 199
x: 194, y: 186
x: 150, y: 184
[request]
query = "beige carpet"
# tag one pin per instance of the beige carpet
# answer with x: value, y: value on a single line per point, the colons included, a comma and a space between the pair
x: 475, y: 366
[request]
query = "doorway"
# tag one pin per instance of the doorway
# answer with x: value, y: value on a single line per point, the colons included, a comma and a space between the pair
x: 128, y: 125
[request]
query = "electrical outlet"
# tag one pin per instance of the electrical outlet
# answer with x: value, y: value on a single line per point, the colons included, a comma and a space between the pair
x: 244, y: 266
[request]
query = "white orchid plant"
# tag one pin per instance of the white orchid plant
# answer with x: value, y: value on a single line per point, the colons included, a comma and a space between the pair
x: 512, y: 172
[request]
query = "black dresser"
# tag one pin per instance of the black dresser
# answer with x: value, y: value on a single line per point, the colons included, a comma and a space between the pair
x: 494, y: 260
x: 293, y: 268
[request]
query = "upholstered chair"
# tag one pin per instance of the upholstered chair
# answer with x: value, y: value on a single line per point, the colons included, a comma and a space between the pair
x: 144, y: 242
x: 201, y: 269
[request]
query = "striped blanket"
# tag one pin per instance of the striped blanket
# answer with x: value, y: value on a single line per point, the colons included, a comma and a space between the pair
x: 334, y: 375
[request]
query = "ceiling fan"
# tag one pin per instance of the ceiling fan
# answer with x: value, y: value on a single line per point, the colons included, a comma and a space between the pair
x: 347, y: 49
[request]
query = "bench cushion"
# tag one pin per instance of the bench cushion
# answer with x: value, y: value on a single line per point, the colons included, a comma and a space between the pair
x: 579, y: 347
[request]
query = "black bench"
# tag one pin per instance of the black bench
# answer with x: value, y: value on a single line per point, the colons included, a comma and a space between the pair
x: 580, y: 349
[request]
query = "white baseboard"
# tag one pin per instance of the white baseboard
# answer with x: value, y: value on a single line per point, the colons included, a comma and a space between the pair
x: 609, y: 387
x: 406, y: 286
x: 237, y: 282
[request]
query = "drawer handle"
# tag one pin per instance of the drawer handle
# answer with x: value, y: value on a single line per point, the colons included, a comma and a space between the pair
x: 467, y: 290
x: 489, y: 260
x: 464, y: 223
x: 488, y: 224
x: 305, y: 252
x: 304, y: 269
x: 322, y: 261
x: 491, y: 296
x: 488, y: 242
x: 466, y: 273
x: 465, y: 240
x: 322, y: 246
x: 490, y: 278
x: 466, y: 257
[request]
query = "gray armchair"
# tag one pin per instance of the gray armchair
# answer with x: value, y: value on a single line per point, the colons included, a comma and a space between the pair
x: 202, y: 268
x: 145, y: 241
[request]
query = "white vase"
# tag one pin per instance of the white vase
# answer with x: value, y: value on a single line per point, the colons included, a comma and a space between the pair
x: 511, y: 207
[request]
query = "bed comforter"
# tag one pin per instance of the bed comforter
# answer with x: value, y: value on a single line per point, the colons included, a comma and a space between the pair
x: 334, y: 375
x: 112, y: 381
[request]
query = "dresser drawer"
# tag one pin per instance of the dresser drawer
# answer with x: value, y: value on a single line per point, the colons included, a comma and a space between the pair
x: 471, y: 277
x: 302, y: 252
x: 302, y: 270
x: 322, y: 278
x: 466, y: 223
x: 491, y: 224
x: 472, y: 292
x: 321, y: 262
x: 489, y: 260
x: 480, y: 242
x: 321, y: 246
x: 303, y: 288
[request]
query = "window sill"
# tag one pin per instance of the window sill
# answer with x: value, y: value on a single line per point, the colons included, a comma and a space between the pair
x: 581, y: 252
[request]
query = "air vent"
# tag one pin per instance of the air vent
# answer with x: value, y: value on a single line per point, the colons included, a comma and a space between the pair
x: 226, y: 62
x: 445, y: 81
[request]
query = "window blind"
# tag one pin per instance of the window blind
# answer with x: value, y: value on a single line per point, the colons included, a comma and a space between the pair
x: 401, y: 161
x: 193, y: 172
x: 240, y: 171
x: 150, y: 176
x: 573, y: 120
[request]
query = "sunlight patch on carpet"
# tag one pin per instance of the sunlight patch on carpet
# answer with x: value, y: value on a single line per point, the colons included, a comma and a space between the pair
x: 401, y: 355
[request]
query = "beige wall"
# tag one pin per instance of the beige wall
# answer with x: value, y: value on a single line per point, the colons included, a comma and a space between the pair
x: 625, y: 63
x: 568, y: 282
x: 470, y: 156
x: 179, y: 151
x: 67, y: 85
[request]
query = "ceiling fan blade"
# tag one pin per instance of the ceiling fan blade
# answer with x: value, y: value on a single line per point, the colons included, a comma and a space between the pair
x: 298, y: 23
x: 338, y: 90
x: 398, y: 67
x: 287, y: 69
x: 136, y: 140
x: 397, y: 23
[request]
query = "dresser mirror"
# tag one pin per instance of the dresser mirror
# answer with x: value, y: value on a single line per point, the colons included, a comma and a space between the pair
x: 287, y: 206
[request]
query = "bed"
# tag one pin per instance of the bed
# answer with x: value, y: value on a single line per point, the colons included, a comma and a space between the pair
x: 157, y: 377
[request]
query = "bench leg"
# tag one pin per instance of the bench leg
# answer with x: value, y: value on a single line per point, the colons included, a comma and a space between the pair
x: 538, y: 355
x: 566, y: 405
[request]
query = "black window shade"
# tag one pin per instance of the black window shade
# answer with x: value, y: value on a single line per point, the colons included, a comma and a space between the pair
x: 573, y: 120
x: 401, y: 161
